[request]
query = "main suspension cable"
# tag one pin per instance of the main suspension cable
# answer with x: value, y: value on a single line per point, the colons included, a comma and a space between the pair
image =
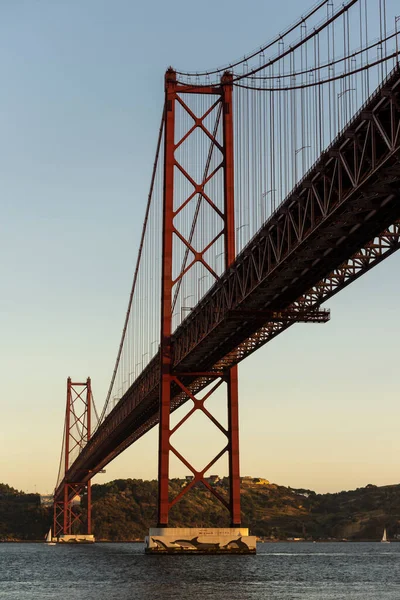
x: 321, y: 81
x: 260, y: 50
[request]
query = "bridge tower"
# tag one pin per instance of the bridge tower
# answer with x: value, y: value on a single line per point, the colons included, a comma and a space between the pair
x: 173, y: 379
x: 68, y: 524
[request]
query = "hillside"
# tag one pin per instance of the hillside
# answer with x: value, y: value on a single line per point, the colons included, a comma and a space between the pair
x: 124, y: 509
x: 21, y: 516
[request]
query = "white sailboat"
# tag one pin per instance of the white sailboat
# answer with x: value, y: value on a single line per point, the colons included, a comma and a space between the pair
x: 384, y: 537
x: 49, y: 539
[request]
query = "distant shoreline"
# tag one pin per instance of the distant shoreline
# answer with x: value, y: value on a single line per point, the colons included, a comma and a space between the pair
x: 72, y: 544
x: 273, y: 513
x: 259, y: 541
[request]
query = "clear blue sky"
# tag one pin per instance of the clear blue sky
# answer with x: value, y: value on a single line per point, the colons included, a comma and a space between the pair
x: 80, y: 102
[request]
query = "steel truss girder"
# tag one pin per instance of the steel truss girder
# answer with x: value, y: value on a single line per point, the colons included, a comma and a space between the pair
x: 294, y: 313
x: 340, y: 197
x: 350, y: 195
x: 137, y: 412
x: 360, y: 263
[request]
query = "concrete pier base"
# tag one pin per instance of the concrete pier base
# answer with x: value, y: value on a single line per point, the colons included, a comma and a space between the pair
x: 75, y: 539
x: 168, y: 540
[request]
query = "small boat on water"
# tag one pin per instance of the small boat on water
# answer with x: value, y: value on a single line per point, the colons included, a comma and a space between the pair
x: 49, y: 539
x: 384, y: 537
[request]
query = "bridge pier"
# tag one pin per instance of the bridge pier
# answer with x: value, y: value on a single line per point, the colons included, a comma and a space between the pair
x: 171, y: 540
x: 75, y: 539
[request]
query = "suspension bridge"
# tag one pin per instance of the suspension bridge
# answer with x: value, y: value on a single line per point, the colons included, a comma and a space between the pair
x: 275, y: 185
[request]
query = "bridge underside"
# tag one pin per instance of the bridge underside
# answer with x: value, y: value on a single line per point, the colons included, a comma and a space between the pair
x: 342, y: 219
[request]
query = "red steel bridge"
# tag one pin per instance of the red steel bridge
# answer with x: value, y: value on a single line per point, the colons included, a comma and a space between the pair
x: 275, y: 185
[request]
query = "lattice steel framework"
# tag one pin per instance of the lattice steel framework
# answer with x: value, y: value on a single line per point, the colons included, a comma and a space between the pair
x: 67, y: 515
x: 177, y: 95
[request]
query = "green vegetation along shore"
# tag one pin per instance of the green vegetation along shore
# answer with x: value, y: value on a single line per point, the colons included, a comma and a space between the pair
x: 124, y: 509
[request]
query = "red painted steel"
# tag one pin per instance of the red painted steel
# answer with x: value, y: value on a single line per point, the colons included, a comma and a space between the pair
x: 166, y: 298
x: 169, y: 379
x: 230, y: 255
x: 77, y: 434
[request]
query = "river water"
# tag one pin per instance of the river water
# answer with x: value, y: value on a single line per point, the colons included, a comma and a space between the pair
x: 279, y: 571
